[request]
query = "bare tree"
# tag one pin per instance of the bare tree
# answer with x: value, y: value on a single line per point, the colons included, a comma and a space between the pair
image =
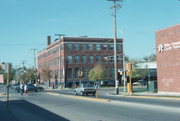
x: 46, y: 74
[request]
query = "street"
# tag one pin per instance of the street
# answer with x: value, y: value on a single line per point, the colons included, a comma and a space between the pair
x: 44, y: 107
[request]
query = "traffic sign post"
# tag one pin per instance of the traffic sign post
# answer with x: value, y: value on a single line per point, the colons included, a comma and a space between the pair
x: 80, y: 74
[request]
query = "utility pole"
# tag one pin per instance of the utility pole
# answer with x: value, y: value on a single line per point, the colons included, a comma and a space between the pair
x: 59, y: 35
x: 115, y: 6
x: 34, y: 51
x: 8, y: 79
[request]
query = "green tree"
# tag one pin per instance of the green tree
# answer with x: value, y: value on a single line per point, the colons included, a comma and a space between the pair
x: 137, y: 73
x: 27, y: 75
x: 98, y: 73
x: 150, y: 58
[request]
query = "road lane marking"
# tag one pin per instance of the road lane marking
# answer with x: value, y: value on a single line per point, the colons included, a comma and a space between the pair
x: 80, y: 97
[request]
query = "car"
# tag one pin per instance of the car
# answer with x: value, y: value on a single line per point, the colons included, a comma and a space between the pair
x: 31, y: 87
x: 14, y: 86
x: 85, y: 89
x: 136, y: 84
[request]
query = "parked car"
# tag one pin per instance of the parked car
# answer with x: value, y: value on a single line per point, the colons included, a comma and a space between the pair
x: 31, y: 87
x: 85, y: 89
x: 14, y: 86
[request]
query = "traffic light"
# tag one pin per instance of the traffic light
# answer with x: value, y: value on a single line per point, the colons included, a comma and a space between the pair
x: 129, y: 66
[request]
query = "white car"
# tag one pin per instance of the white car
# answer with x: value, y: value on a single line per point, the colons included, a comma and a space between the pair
x: 85, y: 89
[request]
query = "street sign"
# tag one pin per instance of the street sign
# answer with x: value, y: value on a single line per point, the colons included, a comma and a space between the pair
x: 80, y: 73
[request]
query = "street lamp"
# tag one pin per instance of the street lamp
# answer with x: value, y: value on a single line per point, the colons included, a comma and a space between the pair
x: 124, y: 66
x: 59, y: 35
x: 115, y: 6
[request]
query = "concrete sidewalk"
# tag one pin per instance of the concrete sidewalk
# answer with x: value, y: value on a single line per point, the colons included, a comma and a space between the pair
x: 22, y: 110
x: 148, y: 94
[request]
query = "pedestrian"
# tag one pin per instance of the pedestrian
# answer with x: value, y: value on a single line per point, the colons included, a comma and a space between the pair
x: 25, y: 89
x: 22, y: 88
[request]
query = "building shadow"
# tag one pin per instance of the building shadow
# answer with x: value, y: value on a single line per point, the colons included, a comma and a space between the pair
x: 22, y: 110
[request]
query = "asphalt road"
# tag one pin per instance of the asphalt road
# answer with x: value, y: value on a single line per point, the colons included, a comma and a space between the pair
x: 74, y: 109
x: 44, y: 107
x: 108, y: 93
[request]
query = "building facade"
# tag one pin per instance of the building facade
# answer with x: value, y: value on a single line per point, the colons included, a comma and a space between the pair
x: 66, y: 56
x: 168, y: 59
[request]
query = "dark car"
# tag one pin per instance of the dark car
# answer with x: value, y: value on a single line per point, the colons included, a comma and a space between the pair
x: 14, y: 86
x: 85, y: 89
x: 31, y: 87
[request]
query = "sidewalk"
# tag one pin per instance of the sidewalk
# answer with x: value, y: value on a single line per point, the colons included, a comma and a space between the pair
x: 148, y: 94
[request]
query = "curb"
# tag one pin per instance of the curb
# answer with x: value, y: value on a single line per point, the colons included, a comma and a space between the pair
x: 147, y: 96
x: 2, y: 94
x: 155, y: 97
x: 80, y: 97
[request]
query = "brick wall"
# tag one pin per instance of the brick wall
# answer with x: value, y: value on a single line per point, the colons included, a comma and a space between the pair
x: 168, y: 59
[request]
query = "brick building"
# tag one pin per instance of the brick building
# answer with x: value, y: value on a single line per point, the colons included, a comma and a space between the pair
x: 78, y: 53
x: 168, y: 59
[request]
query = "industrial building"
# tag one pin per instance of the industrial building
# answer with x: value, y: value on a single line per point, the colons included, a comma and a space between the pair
x: 66, y: 56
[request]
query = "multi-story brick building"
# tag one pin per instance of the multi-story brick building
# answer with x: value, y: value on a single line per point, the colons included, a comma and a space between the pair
x: 168, y: 59
x: 79, y: 53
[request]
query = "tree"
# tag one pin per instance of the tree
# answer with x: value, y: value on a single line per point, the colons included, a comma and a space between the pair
x: 137, y: 73
x: 98, y: 73
x: 152, y: 57
x: 46, y: 74
x: 27, y: 75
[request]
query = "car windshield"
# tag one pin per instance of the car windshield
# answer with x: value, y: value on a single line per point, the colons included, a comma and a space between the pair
x: 88, y: 85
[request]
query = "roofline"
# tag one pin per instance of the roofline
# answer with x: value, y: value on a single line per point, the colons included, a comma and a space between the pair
x: 168, y: 27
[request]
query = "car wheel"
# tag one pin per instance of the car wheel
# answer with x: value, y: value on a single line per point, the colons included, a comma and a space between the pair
x: 86, y: 93
x: 36, y: 90
x: 75, y: 92
x: 94, y: 94
x: 81, y: 93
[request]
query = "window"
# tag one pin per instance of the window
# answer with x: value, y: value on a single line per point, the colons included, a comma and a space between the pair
x: 76, y: 73
x: 76, y: 59
x: 91, y: 59
x: 98, y: 59
x: 69, y: 46
x: 111, y: 47
x: 112, y: 59
x: 69, y: 59
x: 119, y: 59
x: 98, y: 47
x: 105, y: 47
x: 90, y: 46
x: 118, y: 47
x: 106, y: 59
x: 76, y: 47
x: 84, y: 70
x: 84, y: 59
x: 83, y: 46
x: 69, y: 73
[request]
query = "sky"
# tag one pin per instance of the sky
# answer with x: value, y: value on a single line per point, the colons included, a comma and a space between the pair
x: 25, y: 24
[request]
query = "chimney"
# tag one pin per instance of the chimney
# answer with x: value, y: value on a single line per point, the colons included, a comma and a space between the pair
x: 48, y: 40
